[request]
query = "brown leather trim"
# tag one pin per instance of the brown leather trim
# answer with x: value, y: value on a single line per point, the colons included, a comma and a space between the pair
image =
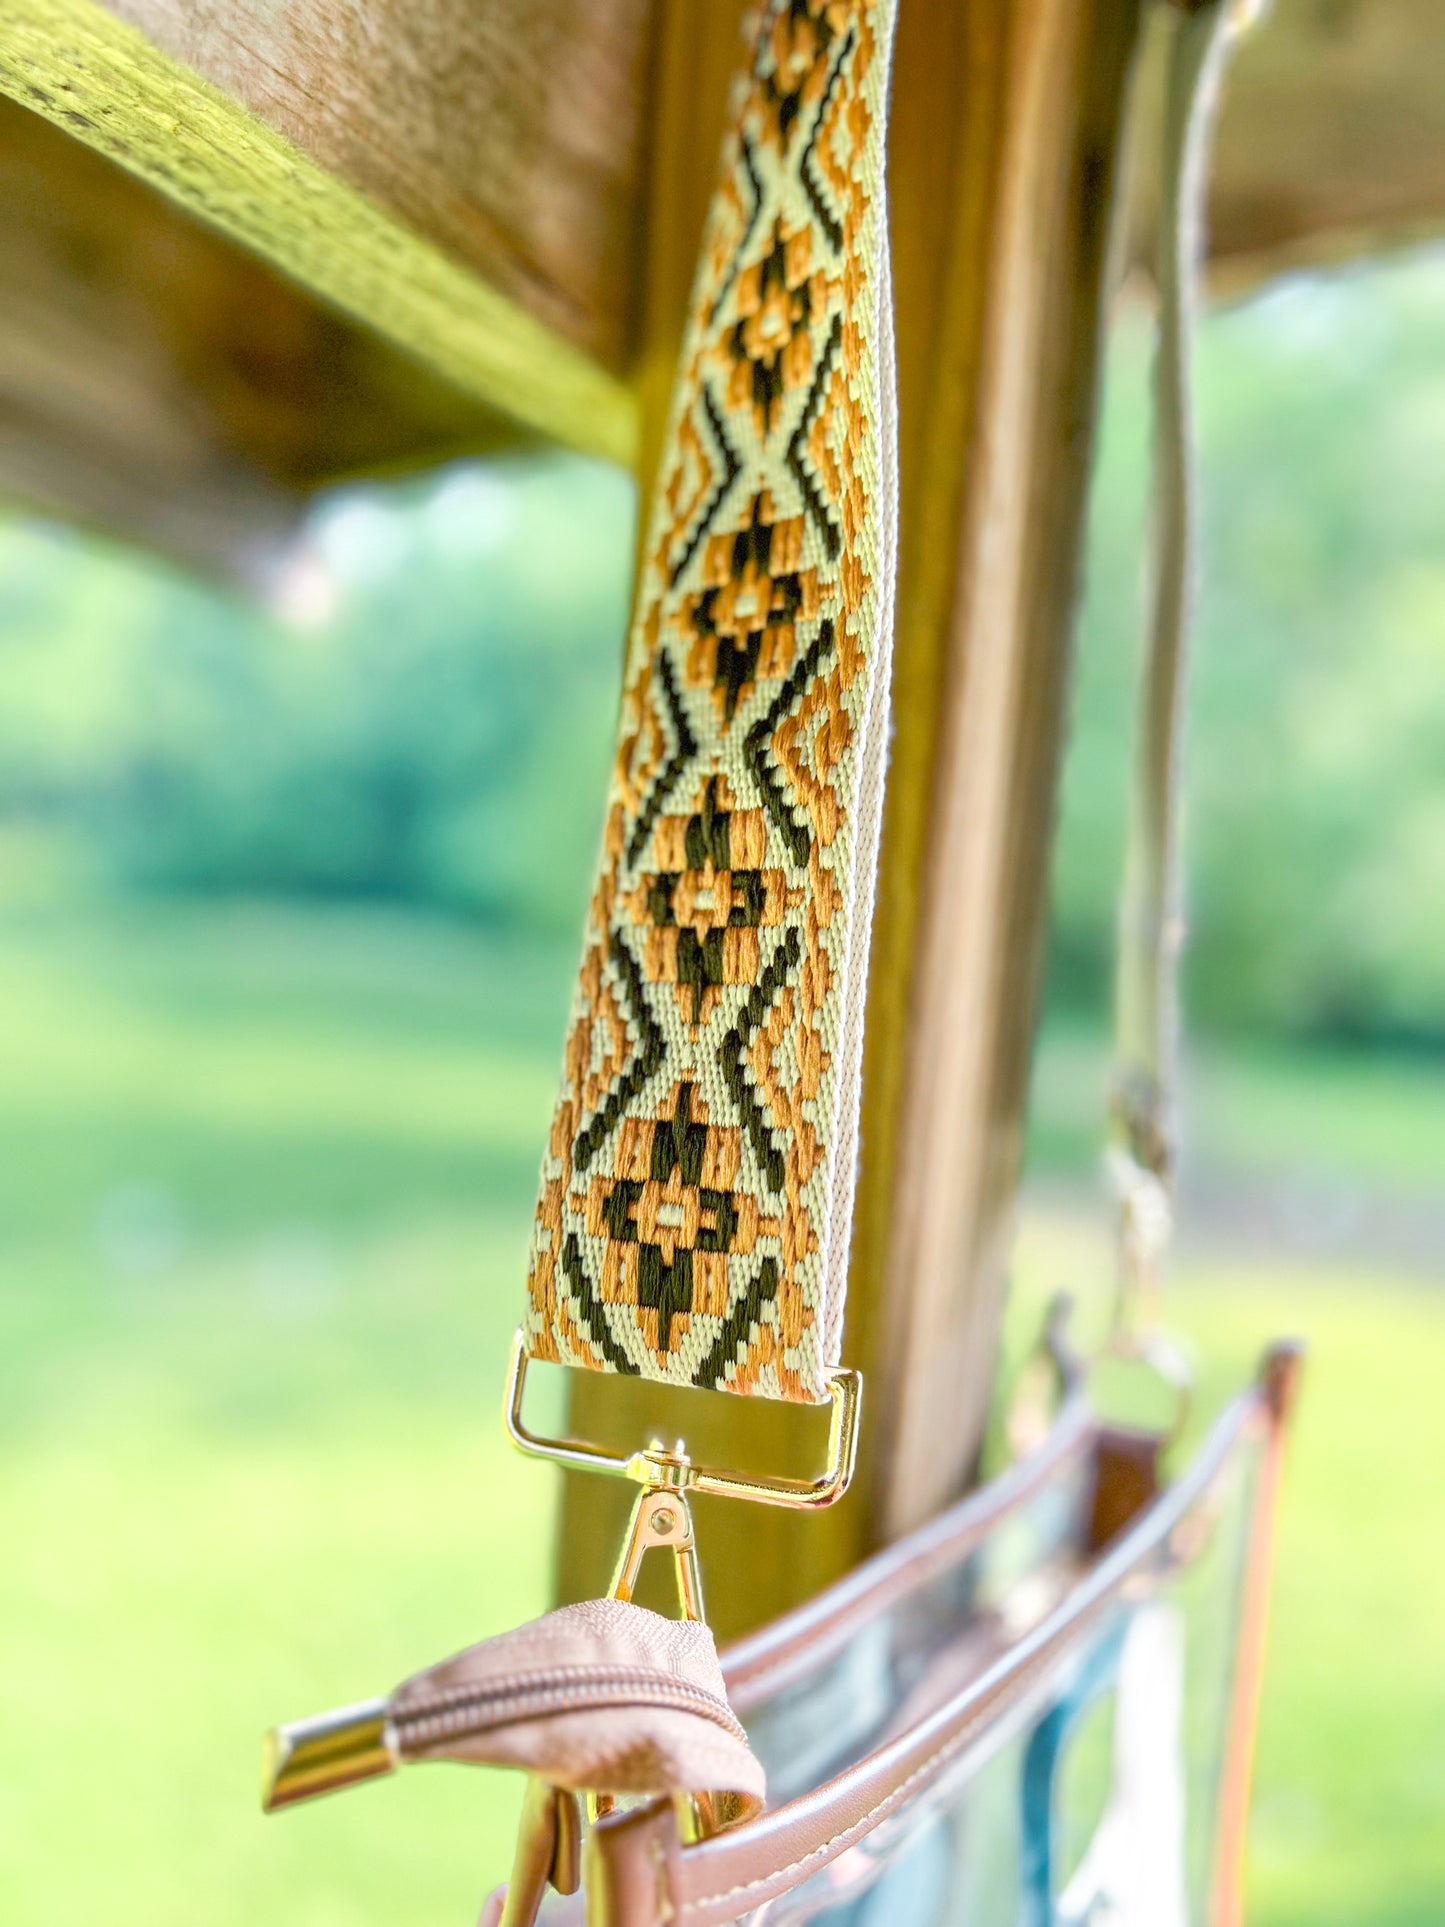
x: 771, y: 1658
x: 1279, y: 1378
x: 639, y: 1874
x: 1126, y: 1478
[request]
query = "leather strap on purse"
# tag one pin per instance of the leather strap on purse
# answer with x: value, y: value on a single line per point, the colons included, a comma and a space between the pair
x: 640, y: 1872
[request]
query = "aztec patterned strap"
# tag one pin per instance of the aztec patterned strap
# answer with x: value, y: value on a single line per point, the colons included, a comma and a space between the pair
x: 697, y: 1187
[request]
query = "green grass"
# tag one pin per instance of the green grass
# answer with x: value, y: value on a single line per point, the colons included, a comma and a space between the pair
x: 265, y: 1182
x: 262, y: 1224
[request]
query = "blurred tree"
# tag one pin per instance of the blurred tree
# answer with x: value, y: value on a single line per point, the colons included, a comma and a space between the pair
x: 1315, y: 832
x: 428, y: 717
x: 426, y: 712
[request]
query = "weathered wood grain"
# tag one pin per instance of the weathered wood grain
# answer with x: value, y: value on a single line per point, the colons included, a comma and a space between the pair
x: 102, y: 81
x: 466, y: 180
x: 504, y: 134
x: 165, y: 387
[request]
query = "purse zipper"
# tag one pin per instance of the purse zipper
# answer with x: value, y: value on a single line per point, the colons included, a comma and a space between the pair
x: 423, y: 1724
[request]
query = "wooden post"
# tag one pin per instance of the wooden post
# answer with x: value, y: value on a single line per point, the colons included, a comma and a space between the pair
x: 999, y: 420
x: 1006, y: 128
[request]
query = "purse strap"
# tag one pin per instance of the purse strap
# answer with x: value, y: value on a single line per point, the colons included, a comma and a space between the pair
x: 1143, y: 1145
x: 696, y: 1197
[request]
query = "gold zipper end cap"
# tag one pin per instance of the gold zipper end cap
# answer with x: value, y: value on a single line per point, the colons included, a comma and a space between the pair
x: 332, y: 1750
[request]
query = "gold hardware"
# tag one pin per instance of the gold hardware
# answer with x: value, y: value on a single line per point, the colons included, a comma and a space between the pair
x: 360, y: 1742
x: 548, y: 1851
x: 332, y: 1750
x: 566, y: 1873
x: 661, y: 1518
x: 654, y: 1466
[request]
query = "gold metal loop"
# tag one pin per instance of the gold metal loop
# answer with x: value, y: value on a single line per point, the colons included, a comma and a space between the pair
x: 654, y: 1466
x: 661, y: 1519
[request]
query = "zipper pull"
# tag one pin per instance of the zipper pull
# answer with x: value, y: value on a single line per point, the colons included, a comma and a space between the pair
x: 326, y: 1752
x: 601, y: 1693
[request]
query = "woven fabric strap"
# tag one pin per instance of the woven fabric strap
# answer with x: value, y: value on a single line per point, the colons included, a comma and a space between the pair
x: 697, y: 1188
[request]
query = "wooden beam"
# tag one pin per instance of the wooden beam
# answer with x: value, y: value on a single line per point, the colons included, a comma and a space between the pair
x: 106, y: 84
x: 160, y: 385
x: 466, y: 183
x: 504, y: 132
x: 1006, y: 125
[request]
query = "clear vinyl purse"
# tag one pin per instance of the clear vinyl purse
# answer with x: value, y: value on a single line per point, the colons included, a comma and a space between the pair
x: 1037, y: 1709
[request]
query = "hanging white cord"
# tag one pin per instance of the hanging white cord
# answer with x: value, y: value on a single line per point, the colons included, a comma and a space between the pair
x: 1143, y: 1147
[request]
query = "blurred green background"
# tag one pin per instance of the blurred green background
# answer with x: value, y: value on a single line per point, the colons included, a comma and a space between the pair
x: 289, y: 901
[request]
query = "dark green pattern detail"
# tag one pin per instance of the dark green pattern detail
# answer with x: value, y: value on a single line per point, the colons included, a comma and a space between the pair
x: 827, y: 220
x: 708, y: 837
x: 755, y: 186
x: 648, y: 1059
x: 594, y: 1316
x: 684, y: 749
x: 797, y: 442
x: 738, y: 1325
x: 736, y: 663
x: 699, y: 965
x: 664, y: 1288
x: 759, y: 741
x: 762, y: 363
x: 679, y: 1142
x: 732, y: 468
x: 734, y: 1047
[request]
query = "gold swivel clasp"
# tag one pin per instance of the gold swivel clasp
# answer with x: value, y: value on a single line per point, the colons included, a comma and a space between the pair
x: 661, y: 1520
